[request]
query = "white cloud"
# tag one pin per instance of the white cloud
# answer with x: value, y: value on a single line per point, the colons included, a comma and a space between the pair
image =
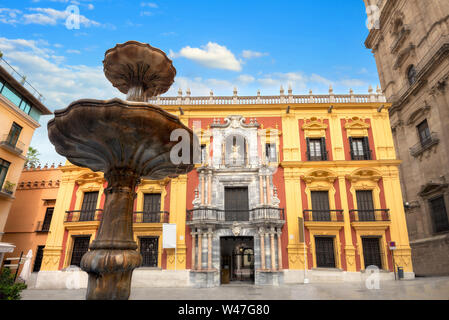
x: 9, y: 16
x: 211, y: 55
x: 245, y: 79
x: 71, y: 51
x: 248, y: 54
x: 90, y: 6
x: 149, y: 4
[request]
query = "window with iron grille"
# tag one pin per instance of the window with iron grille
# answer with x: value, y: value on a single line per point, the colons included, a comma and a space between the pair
x: 151, y: 208
x: 439, y: 214
x: 89, y: 206
x: 270, y: 151
x: 14, y: 134
x: 320, y: 206
x: 324, y: 251
x: 365, y: 205
x: 149, y: 251
x: 4, y: 166
x: 424, y: 133
x: 316, y: 149
x: 80, y: 247
x: 47, y: 220
x: 38, y: 260
x: 360, y: 149
x: 371, y: 252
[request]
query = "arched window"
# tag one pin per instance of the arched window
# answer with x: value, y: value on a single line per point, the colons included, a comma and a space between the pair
x: 411, y: 74
x: 236, y: 150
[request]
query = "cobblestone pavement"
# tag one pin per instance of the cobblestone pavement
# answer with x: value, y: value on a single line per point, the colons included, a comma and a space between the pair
x: 418, y: 289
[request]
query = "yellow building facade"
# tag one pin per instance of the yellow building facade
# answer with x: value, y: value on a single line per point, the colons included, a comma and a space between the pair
x: 283, y: 185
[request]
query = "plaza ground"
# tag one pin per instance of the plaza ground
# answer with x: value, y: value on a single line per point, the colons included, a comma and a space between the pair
x: 434, y: 288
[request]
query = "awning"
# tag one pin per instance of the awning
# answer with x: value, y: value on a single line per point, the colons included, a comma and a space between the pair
x: 6, y: 247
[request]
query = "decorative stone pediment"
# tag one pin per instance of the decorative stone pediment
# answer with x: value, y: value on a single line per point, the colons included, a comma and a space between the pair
x: 89, y: 177
x: 314, y: 128
x: 357, y: 127
x: 417, y: 115
x: 364, y: 174
x: 432, y: 188
x: 317, y: 175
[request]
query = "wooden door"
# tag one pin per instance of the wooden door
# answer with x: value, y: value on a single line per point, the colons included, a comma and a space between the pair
x: 151, y: 208
x: 149, y: 251
x: 324, y: 250
x: 365, y: 205
x: 80, y: 247
x: 89, y: 206
x: 236, y: 204
x: 371, y: 252
x: 320, y: 206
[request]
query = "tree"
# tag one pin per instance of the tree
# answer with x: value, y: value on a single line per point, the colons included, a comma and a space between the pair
x: 8, y: 289
x: 32, y: 158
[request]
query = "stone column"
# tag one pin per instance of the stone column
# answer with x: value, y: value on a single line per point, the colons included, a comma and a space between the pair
x: 268, y: 190
x: 262, y: 248
x: 262, y: 199
x: 202, y: 189
x: 209, y: 189
x: 209, y: 250
x: 279, y: 233
x: 273, y: 253
x: 193, y: 250
x: 200, y: 239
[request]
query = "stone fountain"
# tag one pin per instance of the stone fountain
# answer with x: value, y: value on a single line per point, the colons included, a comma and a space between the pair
x: 127, y: 140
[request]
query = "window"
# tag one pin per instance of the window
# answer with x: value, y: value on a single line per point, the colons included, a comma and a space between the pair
x: 424, y: 133
x: 371, y: 252
x: 11, y: 95
x: 411, y: 74
x: 151, y: 208
x: 38, y: 260
x: 149, y: 251
x: 324, y: 250
x: 236, y: 150
x: 320, y: 206
x: 203, y: 153
x: 47, y: 221
x: 439, y: 214
x: 365, y: 205
x: 80, y: 247
x: 360, y: 148
x: 89, y: 206
x: 270, y: 152
x: 14, y: 134
x: 4, y: 166
x: 316, y: 149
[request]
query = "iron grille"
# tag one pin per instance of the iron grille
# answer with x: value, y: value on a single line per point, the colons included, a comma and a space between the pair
x: 371, y: 252
x: 324, y: 250
x: 439, y: 214
x: 149, y: 251
x: 80, y: 247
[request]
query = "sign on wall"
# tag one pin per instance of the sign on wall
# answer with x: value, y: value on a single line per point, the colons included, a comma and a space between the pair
x: 169, y: 236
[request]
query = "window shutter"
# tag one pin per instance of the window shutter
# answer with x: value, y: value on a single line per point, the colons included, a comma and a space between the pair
x: 323, y: 149
x: 366, y: 150
x: 351, y: 148
x: 308, y: 148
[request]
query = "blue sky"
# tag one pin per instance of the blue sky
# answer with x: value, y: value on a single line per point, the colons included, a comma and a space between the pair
x: 215, y: 44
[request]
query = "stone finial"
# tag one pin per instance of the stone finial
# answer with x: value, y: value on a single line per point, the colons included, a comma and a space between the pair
x: 370, y: 89
x: 211, y: 93
x: 53, y: 165
x: 331, y: 90
x: 310, y: 92
x: 351, y: 92
x: 290, y: 90
x: 258, y: 93
x: 180, y: 92
x: 23, y: 80
x: 282, y: 90
x: 188, y: 92
x: 46, y: 166
x: 235, y: 91
x: 378, y: 90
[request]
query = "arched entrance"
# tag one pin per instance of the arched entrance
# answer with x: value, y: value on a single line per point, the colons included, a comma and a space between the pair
x: 237, y: 260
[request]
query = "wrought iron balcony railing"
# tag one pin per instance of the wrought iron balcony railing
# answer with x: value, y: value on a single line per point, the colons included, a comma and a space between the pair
x: 16, y: 146
x: 367, y: 155
x: 151, y: 217
x: 423, y: 145
x: 83, y: 215
x: 217, y: 215
x: 322, y: 157
x: 42, y: 227
x: 323, y: 215
x: 369, y: 215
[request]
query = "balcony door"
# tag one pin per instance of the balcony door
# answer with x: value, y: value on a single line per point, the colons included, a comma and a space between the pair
x: 151, y: 208
x: 89, y: 206
x: 14, y: 134
x: 320, y: 206
x: 236, y: 204
x: 365, y: 205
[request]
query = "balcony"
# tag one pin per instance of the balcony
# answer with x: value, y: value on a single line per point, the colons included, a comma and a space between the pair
x: 41, y: 227
x: 83, y: 216
x: 151, y: 217
x: 323, y: 216
x: 322, y: 157
x: 380, y: 215
x: 216, y: 215
x: 7, y: 143
x: 367, y: 155
x: 424, y: 145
